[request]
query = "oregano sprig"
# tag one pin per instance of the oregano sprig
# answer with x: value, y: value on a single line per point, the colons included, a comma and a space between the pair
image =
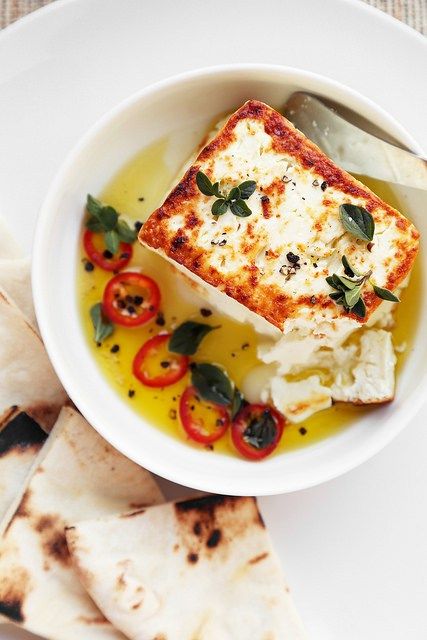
x: 235, y: 199
x: 348, y: 289
x: 105, y: 219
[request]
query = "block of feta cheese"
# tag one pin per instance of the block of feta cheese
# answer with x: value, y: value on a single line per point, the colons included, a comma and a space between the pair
x: 272, y: 264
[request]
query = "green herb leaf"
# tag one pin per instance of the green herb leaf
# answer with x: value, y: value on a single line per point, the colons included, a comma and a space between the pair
x: 385, y: 294
x: 125, y: 233
x: 212, y: 383
x: 112, y: 241
x: 352, y: 296
x: 357, y: 221
x: 247, y: 188
x: 349, y: 284
x: 187, y: 337
x: 108, y: 217
x: 261, y: 431
x: 240, y: 209
x: 237, y: 403
x: 219, y: 207
x: 335, y: 282
x: 338, y: 296
x: 216, y: 191
x: 94, y: 225
x: 102, y: 326
x: 234, y: 194
x: 359, y: 309
x: 204, y: 184
x: 93, y: 205
x: 348, y: 270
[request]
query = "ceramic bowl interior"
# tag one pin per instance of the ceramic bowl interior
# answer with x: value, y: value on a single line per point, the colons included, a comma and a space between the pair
x: 183, y: 107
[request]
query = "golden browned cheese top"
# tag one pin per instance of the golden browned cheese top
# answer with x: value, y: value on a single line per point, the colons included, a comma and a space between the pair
x: 295, y: 210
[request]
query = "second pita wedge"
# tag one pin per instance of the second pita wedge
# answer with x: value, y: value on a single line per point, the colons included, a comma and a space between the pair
x: 31, y: 397
x: 77, y: 475
x: 21, y: 439
x: 203, y: 569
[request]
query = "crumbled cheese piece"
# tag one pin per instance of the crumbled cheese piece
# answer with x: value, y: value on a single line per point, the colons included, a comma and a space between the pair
x: 367, y: 376
x: 299, y: 400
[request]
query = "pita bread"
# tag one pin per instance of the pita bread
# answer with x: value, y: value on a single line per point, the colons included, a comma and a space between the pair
x: 21, y: 439
x: 20, y: 436
x: 15, y: 279
x: 203, y: 569
x: 77, y: 475
x: 27, y: 379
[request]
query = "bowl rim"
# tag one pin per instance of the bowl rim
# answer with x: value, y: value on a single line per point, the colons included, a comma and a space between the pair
x: 69, y: 378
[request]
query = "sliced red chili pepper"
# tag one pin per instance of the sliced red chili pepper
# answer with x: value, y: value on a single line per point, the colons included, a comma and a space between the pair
x: 100, y: 254
x: 131, y: 299
x: 256, y: 430
x: 203, y: 421
x: 155, y: 366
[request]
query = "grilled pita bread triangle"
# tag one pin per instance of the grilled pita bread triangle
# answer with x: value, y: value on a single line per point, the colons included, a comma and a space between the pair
x: 76, y: 476
x: 27, y: 379
x: 28, y: 387
x: 202, y: 569
x: 20, y: 441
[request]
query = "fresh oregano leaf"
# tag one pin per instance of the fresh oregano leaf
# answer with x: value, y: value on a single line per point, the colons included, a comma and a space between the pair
x: 101, y: 325
x: 352, y: 296
x: 348, y: 270
x: 105, y: 215
x: 204, y: 184
x: 234, y: 194
x: 108, y: 217
x: 385, y: 294
x: 212, y: 383
x: 359, y: 309
x: 357, y: 221
x: 94, y: 225
x: 219, y: 207
x: 240, y: 209
x: 247, y: 188
x: 112, y: 241
x: 261, y: 431
x: 93, y: 206
x: 216, y: 191
x: 187, y: 337
x: 125, y: 233
x: 238, y: 403
x: 338, y: 296
x: 349, y: 284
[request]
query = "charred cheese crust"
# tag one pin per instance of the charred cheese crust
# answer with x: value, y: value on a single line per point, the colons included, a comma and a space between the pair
x: 184, y: 230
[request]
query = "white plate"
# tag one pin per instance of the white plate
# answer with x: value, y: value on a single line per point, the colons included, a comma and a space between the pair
x: 354, y: 550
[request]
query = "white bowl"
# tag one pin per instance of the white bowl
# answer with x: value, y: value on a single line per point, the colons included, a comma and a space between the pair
x: 188, y: 103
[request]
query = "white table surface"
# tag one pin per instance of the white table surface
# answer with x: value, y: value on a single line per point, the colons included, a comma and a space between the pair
x: 355, y: 549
